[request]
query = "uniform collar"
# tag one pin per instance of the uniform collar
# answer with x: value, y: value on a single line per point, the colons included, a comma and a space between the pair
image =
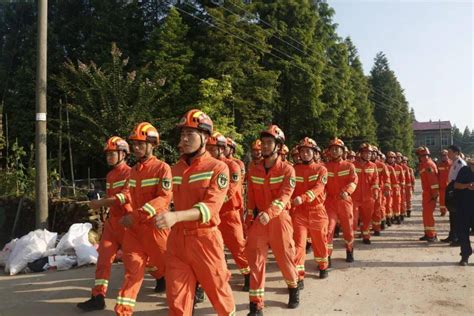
x: 196, y: 160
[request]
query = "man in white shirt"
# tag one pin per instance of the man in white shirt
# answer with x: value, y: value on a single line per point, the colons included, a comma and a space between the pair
x: 454, y: 153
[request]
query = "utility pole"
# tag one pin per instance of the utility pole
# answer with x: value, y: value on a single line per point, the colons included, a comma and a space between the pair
x: 41, y: 183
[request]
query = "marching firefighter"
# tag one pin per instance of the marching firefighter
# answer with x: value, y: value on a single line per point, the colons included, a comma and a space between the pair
x: 396, y: 196
x: 310, y: 217
x: 270, y: 186
x: 443, y: 171
x: 116, y: 151
x: 342, y: 182
x: 195, y: 246
x: 367, y: 191
x: 430, y: 186
x: 231, y: 222
x: 149, y: 194
x: 378, y: 218
x: 402, y: 172
x: 410, y: 185
x: 256, y: 154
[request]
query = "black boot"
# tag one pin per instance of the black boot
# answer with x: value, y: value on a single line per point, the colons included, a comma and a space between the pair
x: 389, y: 221
x: 294, y: 300
x: 329, y: 262
x: 254, y: 311
x: 160, y: 285
x: 308, y: 247
x: 323, y: 274
x: 398, y: 220
x: 198, y: 295
x: 246, y: 283
x: 336, y: 232
x: 366, y: 241
x: 424, y: 238
x: 464, y: 261
x: 95, y: 303
x: 376, y: 233
x: 349, y: 256
x: 408, y: 213
x: 447, y: 239
x: 301, y: 285
x: 402, y: 217
x: 382, y: 225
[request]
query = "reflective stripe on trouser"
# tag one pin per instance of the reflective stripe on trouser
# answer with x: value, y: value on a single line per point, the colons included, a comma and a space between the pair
x: 388, y: 206
x: 278, y: 233
x: 315, y: 224
x: 232, y: 233
x: 409, y: 195
x: 143, y: 246
x: 110, y: 243
x: 197, y: 256
x: 378, y: 214
x: 366, y: 210
x: 429, y: 206
x: 396, y: 203
x: 341, y: 210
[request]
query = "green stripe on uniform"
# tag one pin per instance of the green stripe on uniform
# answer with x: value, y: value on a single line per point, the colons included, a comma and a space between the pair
x: 150, y: 182
x: 149, y: 209
x: 177, y: 180
x: 205, y: 212
x: 314, y: 177
x: 279, y: 204
x: 257, y: 180
x: 200, y: 176
x: 276, y: 179
x: 118, y: 184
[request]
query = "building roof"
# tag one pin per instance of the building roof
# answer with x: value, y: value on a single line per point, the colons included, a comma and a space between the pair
x: 431, y: 125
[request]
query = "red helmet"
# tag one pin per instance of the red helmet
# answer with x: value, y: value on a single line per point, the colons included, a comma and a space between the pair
x: 231, y: 143
x: 365, y: 147
x: 275, y: 132
x: 308, y: 142
x: 116, y: 143
x: 399, y: 154
x: 351, y: 153
x: 257, y: 145
x: 337, y: 142
x: 217, y: 139
x: 145, y: 132
x: 391, y: 154
x: 422, y: 151
x: 198, y: 120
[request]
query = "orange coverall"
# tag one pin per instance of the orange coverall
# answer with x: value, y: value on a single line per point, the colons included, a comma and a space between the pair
x: 143, y: 244
x: 381, y: 202
x: 196, y: 249
x: 231, y: 222
x: 341, y: 178
x: 430, y: 186
x: 363, y: 196
x: 113, y: 232
x: 409, y: 185
x: 443, y: 172
x: 310, y: 217
x: 270, y: 192
x: 400, y: 207
x: 394, y: 206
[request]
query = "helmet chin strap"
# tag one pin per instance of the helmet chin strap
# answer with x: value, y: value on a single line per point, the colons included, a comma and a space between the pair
x: 273, y: 152
x: 197, y: 151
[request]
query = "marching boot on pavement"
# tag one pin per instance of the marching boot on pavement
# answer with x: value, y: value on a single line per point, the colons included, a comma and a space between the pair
x: 310, y: 216
x: 342, y: 182
x: 116, y: 150
x: 430, y: 186
x: 270, y: 186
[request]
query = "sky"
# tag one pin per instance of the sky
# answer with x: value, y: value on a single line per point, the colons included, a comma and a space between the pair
x: 429, y: 45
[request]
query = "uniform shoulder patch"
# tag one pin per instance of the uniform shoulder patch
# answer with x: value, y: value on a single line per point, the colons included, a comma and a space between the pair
x: 292, y: 182
x: 324, y: 179
x: 235, y: 177
x: 222, y: 181
x: 166, y: 184
x: 428, y: 170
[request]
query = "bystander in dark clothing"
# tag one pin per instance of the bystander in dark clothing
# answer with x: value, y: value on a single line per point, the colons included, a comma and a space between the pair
x: 465, y: 208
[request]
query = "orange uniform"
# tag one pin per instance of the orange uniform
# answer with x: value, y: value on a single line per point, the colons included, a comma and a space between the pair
x: 341, y: 178
x: 430, y: 186
x: 270, y: 192
x: 112, y: 235
x: 310, y: 216
x: 364, y: 195
x: 241, y: 207
x: 394, y: 192
x: 381, y: 202
x: 195, y: 248
x: 399, y: 206
x: 443, y: 172
x: 231, y: 222
x: 143, y: 244
x: 409, y: 186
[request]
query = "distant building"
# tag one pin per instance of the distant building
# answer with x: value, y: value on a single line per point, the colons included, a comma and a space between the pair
x: 436, y: 135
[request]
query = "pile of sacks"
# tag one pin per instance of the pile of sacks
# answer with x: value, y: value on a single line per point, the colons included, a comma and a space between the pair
x: 38, y: 251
